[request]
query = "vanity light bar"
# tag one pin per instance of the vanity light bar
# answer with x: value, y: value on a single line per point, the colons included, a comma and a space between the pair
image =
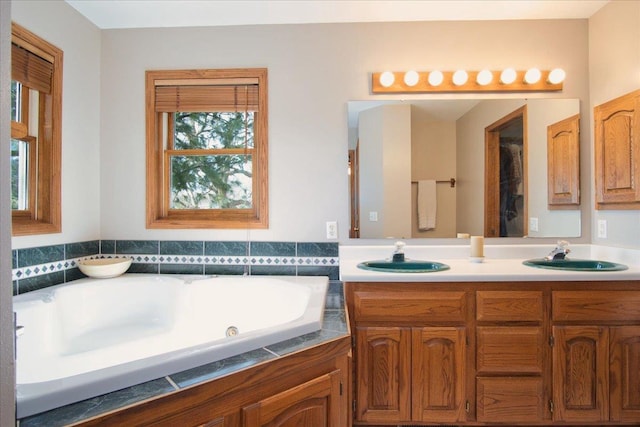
x: 508, y: 80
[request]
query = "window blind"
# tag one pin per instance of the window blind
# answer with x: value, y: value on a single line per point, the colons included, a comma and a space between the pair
x: 30, y: 69
x: 206, y: 98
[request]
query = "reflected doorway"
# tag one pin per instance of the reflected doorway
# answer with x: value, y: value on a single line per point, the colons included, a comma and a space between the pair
x: 505, y: 176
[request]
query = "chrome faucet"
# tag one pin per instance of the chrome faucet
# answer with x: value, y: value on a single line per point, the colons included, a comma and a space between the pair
x: 560, y: 251
x: 398, y: 253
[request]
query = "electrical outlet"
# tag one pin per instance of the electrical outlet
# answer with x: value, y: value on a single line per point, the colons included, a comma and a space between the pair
x: 533, y: 224
x: 332, y: 229
x: 602, y: 228
x: 373, y: 216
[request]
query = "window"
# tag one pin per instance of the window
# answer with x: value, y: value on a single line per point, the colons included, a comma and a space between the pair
x: 207, y: 148
x: 36, y: 105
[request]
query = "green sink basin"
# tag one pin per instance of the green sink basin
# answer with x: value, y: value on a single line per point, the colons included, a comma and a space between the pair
x: 575, y: 264
x: 408, y: 266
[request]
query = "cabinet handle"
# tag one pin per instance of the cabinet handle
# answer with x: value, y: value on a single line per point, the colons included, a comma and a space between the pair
x: 551, y: 406
x: 467, y: 407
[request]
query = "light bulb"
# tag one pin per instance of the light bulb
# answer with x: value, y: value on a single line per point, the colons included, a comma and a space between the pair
x: 556, y: 76
x: 484, y: 77
x: 411, y: 78
x: 508, y: 76
x: 460, y: 77
x: 435, y: 78
x: 532, y: 76
x: 387, y: 78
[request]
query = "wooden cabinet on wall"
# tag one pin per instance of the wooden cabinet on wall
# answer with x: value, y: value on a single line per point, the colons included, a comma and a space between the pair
x: 563, y: 163
x: 527, y: 353
x: 410, y: 353
x: 617, y: 152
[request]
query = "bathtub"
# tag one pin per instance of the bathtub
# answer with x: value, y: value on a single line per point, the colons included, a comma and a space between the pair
x: 93, y: 336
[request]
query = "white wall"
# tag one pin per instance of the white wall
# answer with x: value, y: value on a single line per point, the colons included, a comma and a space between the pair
x: 614, y: 70
x: 59, y: 24
x: 385, y: 171
x: 7, y: 333
x: 370, y: 152
x: 313, y: 71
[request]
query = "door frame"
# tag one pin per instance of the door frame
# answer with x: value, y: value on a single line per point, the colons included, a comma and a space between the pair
x: 492, y: 172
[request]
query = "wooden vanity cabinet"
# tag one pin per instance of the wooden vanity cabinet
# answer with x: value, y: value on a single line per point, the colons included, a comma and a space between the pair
x: 596, y: 355
x: 499, y: 353
x: 511, y: 349
x: 410, y: 354
x: 617, y: 152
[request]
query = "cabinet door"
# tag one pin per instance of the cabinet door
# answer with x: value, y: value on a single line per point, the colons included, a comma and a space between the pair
x: 315, y: 403
x: 383, y: 363
x: 581, y: 373
x: 510, y: 399
x: 625, y: 373
x: 617, y: 152
x: 438, y: 369
x: 563, y: 163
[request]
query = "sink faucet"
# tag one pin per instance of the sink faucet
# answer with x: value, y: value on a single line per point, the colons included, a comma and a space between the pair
x: 398, y: 253
x: 560, y: 251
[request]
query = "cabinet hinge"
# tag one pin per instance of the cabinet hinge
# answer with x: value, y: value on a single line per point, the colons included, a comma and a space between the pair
x: 341, y: 388
x: 551, y: 406
x: 552, y: 341
x: 467, y: 406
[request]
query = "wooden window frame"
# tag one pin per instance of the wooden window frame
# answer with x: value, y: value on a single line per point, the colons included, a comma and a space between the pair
x: 44, y: 213
x: 158, y: 214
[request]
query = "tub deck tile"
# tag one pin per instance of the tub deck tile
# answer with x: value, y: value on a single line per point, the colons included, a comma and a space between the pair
x: 98, y: 405
x: 304, y: 341
x: 220, y: 368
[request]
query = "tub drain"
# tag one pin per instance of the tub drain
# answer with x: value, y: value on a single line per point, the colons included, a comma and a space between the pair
x: 232, y: 331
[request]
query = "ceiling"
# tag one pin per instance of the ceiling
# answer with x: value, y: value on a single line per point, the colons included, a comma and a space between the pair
x: 112, y: 14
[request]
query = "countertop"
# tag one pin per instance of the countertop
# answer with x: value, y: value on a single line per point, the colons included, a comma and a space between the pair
x: 501, y: 263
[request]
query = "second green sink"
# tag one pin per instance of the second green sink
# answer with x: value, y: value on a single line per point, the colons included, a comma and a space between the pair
x: 408, y: 266
x: 575, y: 264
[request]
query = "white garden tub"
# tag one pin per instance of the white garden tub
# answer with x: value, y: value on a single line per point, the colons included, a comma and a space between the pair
x: 92, y: 336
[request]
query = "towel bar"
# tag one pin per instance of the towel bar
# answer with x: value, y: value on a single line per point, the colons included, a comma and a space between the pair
x: 451, y: 181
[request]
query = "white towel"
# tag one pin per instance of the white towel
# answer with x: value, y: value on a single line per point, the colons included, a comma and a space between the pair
x: 426, y: 205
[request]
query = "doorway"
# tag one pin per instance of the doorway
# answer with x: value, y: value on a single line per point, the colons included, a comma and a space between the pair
x: 506, y: 176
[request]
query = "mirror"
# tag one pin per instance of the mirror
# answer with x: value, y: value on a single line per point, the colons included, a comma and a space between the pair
x: 395, y: 144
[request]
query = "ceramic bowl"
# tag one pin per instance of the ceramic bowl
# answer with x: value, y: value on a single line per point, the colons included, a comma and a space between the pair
x: 104, y: 268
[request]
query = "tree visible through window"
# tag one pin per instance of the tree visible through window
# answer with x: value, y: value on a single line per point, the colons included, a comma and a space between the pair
x: 206, y: 149
x: 220, y: 180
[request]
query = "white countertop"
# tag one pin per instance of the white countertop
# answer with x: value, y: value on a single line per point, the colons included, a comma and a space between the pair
x: 501, y: 263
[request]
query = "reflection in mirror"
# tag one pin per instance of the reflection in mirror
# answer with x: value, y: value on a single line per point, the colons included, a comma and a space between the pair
x: 396, y: 145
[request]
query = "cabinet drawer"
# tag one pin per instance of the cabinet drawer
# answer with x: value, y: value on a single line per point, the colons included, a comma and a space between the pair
x: 510, y: 349
x: 509, y: 306
x: 510, y: 399
x: 596, y: 305
x: 410, y: 306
